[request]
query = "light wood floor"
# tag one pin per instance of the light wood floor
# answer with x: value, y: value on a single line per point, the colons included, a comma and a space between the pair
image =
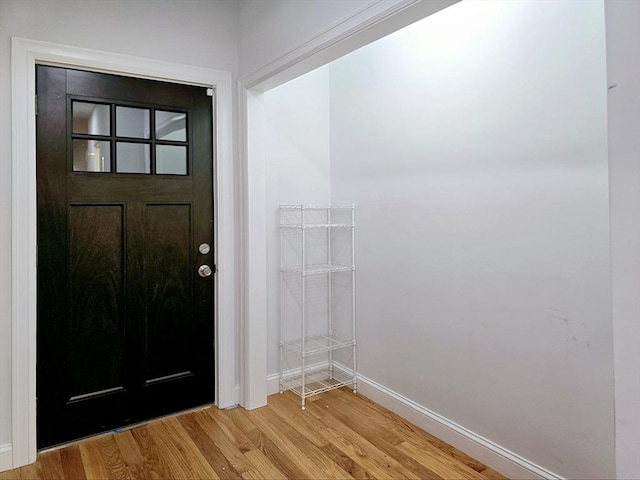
x: 340, y: 435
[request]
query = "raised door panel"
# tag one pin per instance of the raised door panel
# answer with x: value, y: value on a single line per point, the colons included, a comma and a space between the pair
x: 96, y: 307
x: 169, y: 290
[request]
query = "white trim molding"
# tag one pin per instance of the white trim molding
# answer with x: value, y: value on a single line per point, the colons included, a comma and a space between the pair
x: 25, y: 54
x: 254, y: 329
x: 6, y: 457
x: 374, y: 21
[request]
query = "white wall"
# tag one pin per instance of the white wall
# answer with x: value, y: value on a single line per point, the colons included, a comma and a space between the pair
x: 623, y: 62
x: 297, y: 170
x: 474, y: 144
x: 189, y: 31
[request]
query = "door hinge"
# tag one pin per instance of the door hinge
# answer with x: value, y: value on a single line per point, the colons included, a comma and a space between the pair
x: 210, y: 92
x: 36, y: 100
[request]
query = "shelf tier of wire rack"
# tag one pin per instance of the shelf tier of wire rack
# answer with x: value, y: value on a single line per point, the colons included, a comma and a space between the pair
x: 317, y: 241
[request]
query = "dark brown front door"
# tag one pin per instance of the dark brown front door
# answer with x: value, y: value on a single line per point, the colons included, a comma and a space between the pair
x: 125, y: 320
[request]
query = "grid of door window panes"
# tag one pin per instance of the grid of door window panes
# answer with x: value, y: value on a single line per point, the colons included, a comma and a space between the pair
x: 129, y: 139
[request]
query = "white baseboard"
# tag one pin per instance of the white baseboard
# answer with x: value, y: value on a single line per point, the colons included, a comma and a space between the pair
x: 273, y: 384
x: 494, y: 456
x: 6, y: 457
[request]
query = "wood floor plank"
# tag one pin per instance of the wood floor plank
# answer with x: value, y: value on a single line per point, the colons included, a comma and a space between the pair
x: 208, y: 448
x: 112, y: 458
x: 94, y: 466
x: 339, y: 435
x: 72, y: 464
x: 271, y: 451
x: 169, y: 451
x: 287, y: 407
x: 349, y: 465
x: 306, y: 425
x: 132, y: 456
x: 263, y: 466
x: 129, y: 449
x: 369, y: 425
x: 370, y: 429
x: 310, y: 455
x: 30, y: 472
x: 365, y: 402
x: 51, y: 465
x: 406, y: 430
x: 440, y: 464
x: 397, y: 422
x: 237, y: 436
x: 227, y: 445
x: 175, y: 442
x: 241, y: 421
x: 151, y: 459
x: 492, y: 474
x: 10, y: 475
x: 279, y: 438
x: 359, y: 418
x: 380, y: 464
x: 253, y: 475
x: 411, y: 432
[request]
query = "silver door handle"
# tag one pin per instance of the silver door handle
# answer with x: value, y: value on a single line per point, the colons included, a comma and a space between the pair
x: 205, y: 271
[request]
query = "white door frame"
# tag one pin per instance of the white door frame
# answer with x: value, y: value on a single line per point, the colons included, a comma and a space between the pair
x: 25, y: 54
x: 374, y: 21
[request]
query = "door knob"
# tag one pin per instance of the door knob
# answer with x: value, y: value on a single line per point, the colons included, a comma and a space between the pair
x: 205, y: 271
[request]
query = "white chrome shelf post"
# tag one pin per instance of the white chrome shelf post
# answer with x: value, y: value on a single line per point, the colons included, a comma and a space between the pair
x: 353, y: 293
x: 302, y: 319
x: 280, y: 333
x: 329, y: 290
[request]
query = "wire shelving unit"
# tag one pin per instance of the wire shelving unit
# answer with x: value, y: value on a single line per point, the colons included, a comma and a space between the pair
x: 317, y: 241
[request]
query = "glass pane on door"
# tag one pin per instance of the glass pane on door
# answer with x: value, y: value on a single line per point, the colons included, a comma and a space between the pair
x: 132, y: 122
x: 171, y: 126
x: 133, y: 158
x: 171, y: 160
x: 91, y: 118
x: 91, y: 156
